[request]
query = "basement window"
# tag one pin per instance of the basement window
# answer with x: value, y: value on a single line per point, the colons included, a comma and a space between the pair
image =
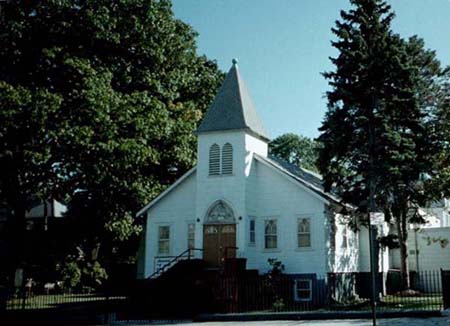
x: 303, y: 290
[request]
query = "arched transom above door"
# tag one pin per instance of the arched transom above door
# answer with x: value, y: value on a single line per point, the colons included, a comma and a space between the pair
x: 220, y: 213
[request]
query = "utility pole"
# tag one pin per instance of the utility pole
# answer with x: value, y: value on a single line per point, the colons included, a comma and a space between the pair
x: 370, y: 211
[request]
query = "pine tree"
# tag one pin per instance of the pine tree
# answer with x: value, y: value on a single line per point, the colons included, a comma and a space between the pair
x: 374, y: 136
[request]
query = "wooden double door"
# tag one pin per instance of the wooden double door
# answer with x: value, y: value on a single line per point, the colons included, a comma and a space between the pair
x: 219, y: 242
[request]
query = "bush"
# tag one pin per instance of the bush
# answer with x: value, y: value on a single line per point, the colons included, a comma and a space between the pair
x: 94, y: 275
x: 71, y: 275
x: 79, y: 275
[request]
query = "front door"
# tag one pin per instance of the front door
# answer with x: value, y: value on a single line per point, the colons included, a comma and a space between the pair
x: 219, y: 242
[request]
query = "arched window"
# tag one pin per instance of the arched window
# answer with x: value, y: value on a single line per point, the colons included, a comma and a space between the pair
x: 220, y: 213
x: 214, y: 160
x: 227, y: 159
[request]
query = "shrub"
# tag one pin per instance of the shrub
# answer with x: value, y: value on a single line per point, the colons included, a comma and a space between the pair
x: 71, y: 275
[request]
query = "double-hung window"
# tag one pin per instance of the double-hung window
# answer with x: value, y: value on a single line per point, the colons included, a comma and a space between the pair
x: 303, y: 290
x: 270, y: 234
x: 304, y: 232
x: 191, y: 235
x: 252, y: 231
x: 163, y: 240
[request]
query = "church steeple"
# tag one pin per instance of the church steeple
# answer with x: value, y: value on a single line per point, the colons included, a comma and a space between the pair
x: 232, y: 109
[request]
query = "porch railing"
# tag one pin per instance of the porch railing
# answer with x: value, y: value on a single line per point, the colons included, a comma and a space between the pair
x: 170, y: 261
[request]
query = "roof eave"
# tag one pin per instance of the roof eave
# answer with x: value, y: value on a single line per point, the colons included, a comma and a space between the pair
x: 165, y: 192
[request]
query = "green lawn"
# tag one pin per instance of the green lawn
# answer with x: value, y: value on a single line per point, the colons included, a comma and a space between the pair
x: 420, y: 302
x: 396, y: 302
x: 56, y: 300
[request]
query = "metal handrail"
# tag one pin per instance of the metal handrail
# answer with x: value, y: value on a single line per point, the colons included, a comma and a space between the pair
x: 174, y: 260
x: 227, y: 248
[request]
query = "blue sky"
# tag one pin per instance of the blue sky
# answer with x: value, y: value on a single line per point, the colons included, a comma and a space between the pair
x: 283, y: 46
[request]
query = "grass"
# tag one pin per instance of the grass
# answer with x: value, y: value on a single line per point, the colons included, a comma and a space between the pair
x: 419, y: 302
x: 430, y: 302
x: 48, y: 301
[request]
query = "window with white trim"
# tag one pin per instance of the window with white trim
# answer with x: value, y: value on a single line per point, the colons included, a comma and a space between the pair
x: 227, y: 159
x: 191, y: 235
x: 214, y: 160
x: 163, y: 240
x: 304, y: 232
x: 270, y: 234
x: 303, y: 290
x: 252, y: 231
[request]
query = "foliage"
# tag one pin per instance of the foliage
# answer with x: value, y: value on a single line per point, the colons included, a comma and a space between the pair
x: 276, y: 267
x: 376, y: 136
x: 79, y: 274
x: 94, y: 275
x: 98, y: 100
x: 389, y: 241
x: 296, y: 149
x: 438, y: 183
x: 70, y: 274
x: 278, y: 305
x: 274, y: 281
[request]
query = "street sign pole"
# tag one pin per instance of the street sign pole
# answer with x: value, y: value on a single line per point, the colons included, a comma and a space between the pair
x: 373, y: 275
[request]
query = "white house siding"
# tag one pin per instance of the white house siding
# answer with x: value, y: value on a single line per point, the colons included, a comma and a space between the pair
x: 230, y: 188
x: 176, y: 209
x: 270, y: 194
x: 364, y: 250
x: 54, y: 209
x: 433, y: 245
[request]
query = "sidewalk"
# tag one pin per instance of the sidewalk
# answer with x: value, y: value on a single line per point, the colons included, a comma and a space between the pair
x: 432, y: 321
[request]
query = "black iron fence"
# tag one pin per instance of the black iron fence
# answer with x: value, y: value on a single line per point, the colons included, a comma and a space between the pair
x: 446, y: 288
x: 21, y: 300
x: 285, y: 293
x: 347, y: 291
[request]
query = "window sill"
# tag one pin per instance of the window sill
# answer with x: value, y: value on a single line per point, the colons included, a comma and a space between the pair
x: 304, y: 249
x: 302, y: 300
x: 271, y: 250
x: 220, y: 176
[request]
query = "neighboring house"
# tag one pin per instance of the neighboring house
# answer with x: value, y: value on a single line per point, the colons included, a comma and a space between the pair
x: 239, y: 202
x: 41, y: 217
x: 42, y: 212
x: 429, y: 243
x: 440, y: 210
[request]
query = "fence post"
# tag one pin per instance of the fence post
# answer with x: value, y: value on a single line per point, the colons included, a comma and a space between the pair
x: 445, y: 281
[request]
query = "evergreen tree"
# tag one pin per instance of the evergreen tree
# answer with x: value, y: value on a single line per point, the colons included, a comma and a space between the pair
x: 375, y: 139
x: 99, y: 99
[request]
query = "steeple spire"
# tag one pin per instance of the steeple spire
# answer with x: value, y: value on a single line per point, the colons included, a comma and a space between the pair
x: 232, y: 109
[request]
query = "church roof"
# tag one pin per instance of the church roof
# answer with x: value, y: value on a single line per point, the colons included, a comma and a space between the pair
x: 232, y: 109
x: 308, y: 179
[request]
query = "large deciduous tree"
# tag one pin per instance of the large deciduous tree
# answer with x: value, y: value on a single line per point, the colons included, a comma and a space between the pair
x: 98, y: 100
x: 376, y: 141
x: 296, y: 149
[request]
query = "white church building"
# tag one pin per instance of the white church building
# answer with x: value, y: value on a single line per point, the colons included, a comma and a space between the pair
x: 240, y: 202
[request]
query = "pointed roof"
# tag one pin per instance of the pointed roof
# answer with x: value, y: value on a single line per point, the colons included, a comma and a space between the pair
x: 232, y: 109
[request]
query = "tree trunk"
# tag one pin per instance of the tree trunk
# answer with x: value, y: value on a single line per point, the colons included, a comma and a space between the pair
x: 402, y: 230
x: 16, y: 237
